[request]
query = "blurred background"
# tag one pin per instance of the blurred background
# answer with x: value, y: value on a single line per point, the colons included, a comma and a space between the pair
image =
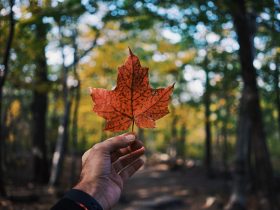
x: 219, y: 148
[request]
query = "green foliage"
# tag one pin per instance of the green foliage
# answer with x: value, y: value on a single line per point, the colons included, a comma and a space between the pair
x: 178, y: 40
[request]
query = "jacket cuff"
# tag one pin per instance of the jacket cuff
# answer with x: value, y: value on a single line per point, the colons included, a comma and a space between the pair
x: 83, y: 199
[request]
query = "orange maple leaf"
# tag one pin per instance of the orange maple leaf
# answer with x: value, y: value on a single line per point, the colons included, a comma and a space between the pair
x: 133, y: 99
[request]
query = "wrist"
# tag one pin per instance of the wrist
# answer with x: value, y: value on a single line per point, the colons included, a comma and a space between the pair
x: 92, y: 190
x: 83, y: 199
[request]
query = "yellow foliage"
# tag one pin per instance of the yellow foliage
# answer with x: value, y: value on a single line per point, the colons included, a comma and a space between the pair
x: 11, y: 138
x: 15, y: 108
x: 14, y: 111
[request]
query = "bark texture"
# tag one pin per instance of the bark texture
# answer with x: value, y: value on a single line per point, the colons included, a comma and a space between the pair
x: 3, y: 76
x: 251, y: 141
x: 39, y: 109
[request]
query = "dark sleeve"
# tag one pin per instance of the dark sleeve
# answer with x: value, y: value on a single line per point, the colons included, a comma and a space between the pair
x: 77, y: 200
x: 67, y: 204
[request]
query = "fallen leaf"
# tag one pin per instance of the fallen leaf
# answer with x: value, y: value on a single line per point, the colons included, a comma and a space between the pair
x: 133, y: 100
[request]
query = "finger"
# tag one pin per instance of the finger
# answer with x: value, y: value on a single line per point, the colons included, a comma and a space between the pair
x: 124, y: 151
x: 136, y: 145
x: 124, y: 161
x: 85, y: 156
x: 115, y: 143
x: 131, y: 169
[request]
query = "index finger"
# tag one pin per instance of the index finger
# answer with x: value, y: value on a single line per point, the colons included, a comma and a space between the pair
x: 136, y: 145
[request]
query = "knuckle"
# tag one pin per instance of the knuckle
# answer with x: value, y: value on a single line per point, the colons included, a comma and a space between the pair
x: 113, y: 141
x: 110, y: 140
x: 115, y: 138
x: 84, y: 157
x: 97, y: 147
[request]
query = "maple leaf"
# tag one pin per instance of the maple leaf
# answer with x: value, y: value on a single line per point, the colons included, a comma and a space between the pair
x: 133, y: 100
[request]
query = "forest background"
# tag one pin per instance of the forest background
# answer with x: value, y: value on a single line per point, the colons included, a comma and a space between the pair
x: 224, y: 113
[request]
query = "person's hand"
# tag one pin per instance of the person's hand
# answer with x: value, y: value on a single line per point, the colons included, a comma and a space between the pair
x: 107, y: 165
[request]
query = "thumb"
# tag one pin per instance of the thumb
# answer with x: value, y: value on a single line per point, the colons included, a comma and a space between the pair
x: 119, y: 142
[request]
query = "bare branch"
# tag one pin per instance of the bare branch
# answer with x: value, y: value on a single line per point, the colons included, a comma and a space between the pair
x: 77, y: 60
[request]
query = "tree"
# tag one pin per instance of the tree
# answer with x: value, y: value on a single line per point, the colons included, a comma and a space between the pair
x: 4, y: 69
x: 208, y: 133
x: 77, y: 96
x: 277, y: 88
x: 250, y: 135
x: 39, y: 104
x: 63, y: 129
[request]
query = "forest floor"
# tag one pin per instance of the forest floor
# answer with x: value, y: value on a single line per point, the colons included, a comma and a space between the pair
x: 154, y: 187
x: 159, y: 187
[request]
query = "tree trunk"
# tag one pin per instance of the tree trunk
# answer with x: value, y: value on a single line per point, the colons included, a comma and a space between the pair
x: 58, y: 156
x: 3, y: 75
x: 77, y: 91
x: 2, y: 182
x: 276, y: 74
x: 75, y: 133
x: 277, y: 91
x: 225, y: 135
x: 208, y: 133
x: 244, y: 126
x: 173, y: 150
x: 225, y: 144
x: 182, y: 142
x: 250, y: 126
x: 174, y: 138
x: 62, y: 140
x: 39, y: 109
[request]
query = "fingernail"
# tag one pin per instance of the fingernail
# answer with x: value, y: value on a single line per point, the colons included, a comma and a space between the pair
x: 90, y: 90
x: 130, y: 137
